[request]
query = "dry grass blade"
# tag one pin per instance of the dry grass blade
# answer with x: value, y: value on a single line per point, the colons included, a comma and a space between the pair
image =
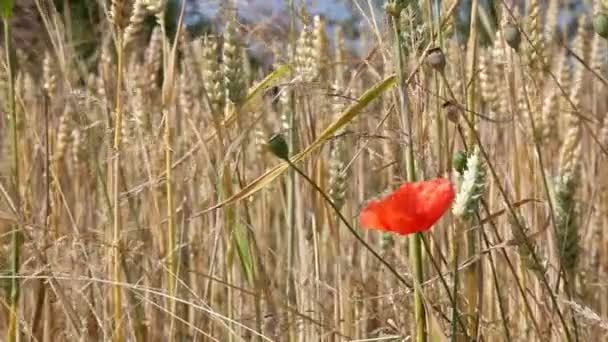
x: 345, y: 117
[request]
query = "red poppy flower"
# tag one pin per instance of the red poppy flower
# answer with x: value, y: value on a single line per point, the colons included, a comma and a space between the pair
x: 414, y: 207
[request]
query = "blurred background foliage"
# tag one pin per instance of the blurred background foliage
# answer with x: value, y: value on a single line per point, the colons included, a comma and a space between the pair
x: 85, y: 20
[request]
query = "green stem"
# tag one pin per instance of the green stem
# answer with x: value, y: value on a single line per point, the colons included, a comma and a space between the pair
x: 456, y: 251
x: 472, y: 275
x: 456, y: 319
x: 291, y: 177
x: 415, y: 247
x: 416, y: 260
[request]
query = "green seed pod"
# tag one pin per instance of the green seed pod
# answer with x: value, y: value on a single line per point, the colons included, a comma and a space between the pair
x: 278, y: 146
x: 460, y: 161
x: 600, y: 25
x: 512, y: 35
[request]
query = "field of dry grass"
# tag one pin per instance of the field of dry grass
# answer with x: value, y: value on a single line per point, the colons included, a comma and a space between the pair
x: 140, y: 202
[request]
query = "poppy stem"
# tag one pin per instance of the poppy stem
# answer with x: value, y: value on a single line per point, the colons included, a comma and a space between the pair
x: 347, y: 224
x: 456, y: 318
x: 278, y: 146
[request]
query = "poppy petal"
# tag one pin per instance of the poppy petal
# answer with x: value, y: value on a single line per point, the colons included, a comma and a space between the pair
x: 413, y: 207
x: 370, y: 217
x: 435, y: 198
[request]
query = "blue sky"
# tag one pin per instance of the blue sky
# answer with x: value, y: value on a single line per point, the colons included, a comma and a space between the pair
x: 261, y: 9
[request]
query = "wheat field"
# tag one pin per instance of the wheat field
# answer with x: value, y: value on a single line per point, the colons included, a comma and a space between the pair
x: 141, y: 199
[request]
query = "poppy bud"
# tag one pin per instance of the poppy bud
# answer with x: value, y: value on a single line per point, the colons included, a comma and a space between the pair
x: 600, y: 25
x: 451, y: 111
x: 278, y: 146
x: 436, y: 59
x: 460, y: 161
x: 512, y: 35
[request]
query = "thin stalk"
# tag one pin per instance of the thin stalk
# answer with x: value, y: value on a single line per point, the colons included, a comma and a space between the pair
x: 166, y: 102
x: 438, y: 143
x: 415, y: 245
x: 472, y: 274
x: 416, y: 260
x: 137, y: 325
x: 291, y: 182
x: 456, y: 252
x: 457, y: 226
x: 258, y: 274
x: 172, y: 275
x: 15, y: 238
x: 456, y: 319
x: 338, y: 299
x: 517, y: 170
x: 42, y: 299
x: 497, y: 286
x: 115, y: 246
